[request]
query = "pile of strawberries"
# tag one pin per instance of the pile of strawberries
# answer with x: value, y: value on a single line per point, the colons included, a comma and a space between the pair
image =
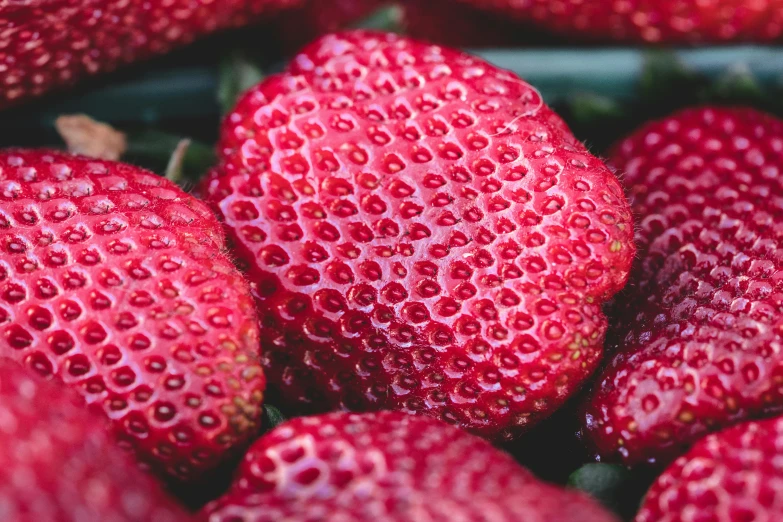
x: 406, y: 249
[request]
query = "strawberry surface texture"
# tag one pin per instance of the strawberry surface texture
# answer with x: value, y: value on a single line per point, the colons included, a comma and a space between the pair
x: 314, y: 18
x: 732, y: 476
x: 114, y: 280
x: 389, y: 467
x: 58, y: 463
x: 651, y: 21
x: 46, y: 44
x: 699, y: 328
x: 422, y: 234
x: 458, y: 24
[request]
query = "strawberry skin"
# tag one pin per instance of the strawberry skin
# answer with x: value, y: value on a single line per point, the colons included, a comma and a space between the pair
x: 47, y: 44
x: 389, y: 467
x: 731, y: 476
x: 699, y: 329
x: 448, y: 22
x: 58, y: 464
x: 651, y: 21
x: 297, y: 27
x: 422, y: 233
x: 114, y: 280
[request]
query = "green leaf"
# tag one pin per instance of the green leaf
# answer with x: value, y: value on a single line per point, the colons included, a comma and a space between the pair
x: 272, y: 417
x: 592, y: 109
x: 738, y: 85
x: 387, y: 19
x: 237, y: 74
x: 614, y: 486
x: 666, y: 81
x: 175, y: 167
x: 154, y: 150
x: 601, y: 481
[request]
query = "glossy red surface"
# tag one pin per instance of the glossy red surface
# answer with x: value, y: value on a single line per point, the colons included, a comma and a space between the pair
x: 699, y: 328
x: 422, y: 234
x: 115, y: 281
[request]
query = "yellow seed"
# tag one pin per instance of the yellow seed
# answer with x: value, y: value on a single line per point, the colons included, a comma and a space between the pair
x: 686, y: 417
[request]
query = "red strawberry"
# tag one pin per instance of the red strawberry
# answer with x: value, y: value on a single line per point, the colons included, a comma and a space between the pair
x: 422, y: 234
x: 732, y: 476
x: 664, y: 21
x: 314, y: 18
x: 389, y: 467
x: 57, y: 463
x: 115, y: 281
x: 46, y: 44
x: 700, y: 329
x: 449, y: 22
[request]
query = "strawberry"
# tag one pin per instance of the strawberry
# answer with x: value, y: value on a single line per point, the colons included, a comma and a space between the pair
x: 651, y: 21
x: 731, y: 476
x: 699, y: 329
x: 114, y: 280
x: 47, y: 44
x: 449, y: 22
x: 57, y: 463
x: 296, y: 27
x: 422, y: 234
x: 389, y: 467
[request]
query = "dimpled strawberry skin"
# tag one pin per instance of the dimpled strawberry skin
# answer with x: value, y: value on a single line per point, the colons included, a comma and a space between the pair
x: 652, y: 21
x: 58, y: 464
x: 699, y: 328
x: 46, y: 44
x: 114, y: 280
x: 732, y: 476
x: 389, y: 467
x: 422, y: 234
x: 314, y: 18
x: 457, y: 24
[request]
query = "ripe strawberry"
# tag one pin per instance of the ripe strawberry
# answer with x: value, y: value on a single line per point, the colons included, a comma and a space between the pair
x: 389, y: 467
x: 653, y: 21
x: 46, y: 44
x: 296, y: 27
x: 731, y: 476
x: 699, y: 330
x: 422, y: 234
x: 449, y: 22
x: 114, y: 280
x: 57, y: 463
